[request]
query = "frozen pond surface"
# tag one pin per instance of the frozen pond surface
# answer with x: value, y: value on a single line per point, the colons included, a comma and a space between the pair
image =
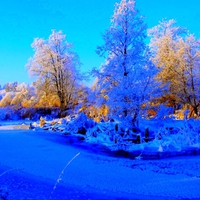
x: 35, y: 159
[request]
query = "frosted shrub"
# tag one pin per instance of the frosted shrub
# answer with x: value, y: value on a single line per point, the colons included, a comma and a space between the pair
x: 113, y: 134
x: 191, y: 132
x: 80, y: 124
x: 27, y: 113
x: 180, y: 135
x: 103, y: 129
x: 8, y: 113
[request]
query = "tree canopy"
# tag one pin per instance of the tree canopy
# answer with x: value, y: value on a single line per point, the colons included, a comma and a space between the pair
x: 56, y: 68
x: 124, y: 78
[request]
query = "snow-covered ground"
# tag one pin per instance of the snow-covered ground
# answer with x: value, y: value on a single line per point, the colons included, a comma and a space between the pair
x: 150, y: 139
x: 31, y: 162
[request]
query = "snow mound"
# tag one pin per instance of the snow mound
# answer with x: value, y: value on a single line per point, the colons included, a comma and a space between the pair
x: 171, y: 138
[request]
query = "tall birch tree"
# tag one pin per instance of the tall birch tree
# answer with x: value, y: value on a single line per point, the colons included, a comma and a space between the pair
x: 125, y: 76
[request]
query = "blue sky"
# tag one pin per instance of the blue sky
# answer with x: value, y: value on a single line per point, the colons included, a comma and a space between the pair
x: 82, y: 21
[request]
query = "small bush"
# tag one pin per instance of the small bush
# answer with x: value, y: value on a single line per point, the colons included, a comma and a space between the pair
x: 27, y: 113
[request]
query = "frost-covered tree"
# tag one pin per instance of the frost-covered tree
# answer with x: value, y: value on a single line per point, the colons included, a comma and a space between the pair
x: 45, y: 95
x: 177, y: 55
x: 10, y: 87
x: 189, y: 75
x: 24, y: 96
x: 56, y: 67
x: 163, y: 46
x: 124, y: 78
x: 7, y: 99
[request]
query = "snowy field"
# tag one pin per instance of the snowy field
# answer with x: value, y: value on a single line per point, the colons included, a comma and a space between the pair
x: 31, y: 162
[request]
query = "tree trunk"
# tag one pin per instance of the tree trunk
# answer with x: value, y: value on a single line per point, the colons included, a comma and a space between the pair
x: 193, y: 112
x: 62, y: 101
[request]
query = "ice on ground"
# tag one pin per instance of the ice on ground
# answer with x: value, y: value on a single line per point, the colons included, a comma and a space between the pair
x: 45, y: 154
x: 15, y: 127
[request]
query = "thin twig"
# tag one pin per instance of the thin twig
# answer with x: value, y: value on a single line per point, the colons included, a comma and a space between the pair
x: 62, y: 172
x: 5, y: 172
